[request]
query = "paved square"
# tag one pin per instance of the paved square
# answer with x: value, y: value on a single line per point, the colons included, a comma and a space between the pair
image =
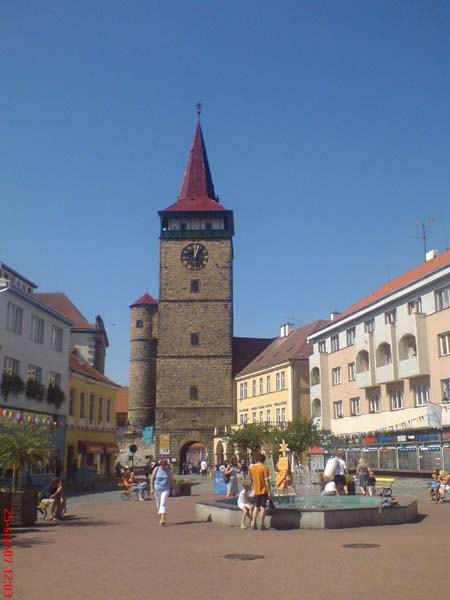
x: 109, y: 549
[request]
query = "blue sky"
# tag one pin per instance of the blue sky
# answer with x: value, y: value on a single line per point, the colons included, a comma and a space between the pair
x: 326, y: 125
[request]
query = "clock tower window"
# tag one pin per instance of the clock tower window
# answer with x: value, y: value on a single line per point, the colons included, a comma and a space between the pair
x: 194, y: 339
x: 195, y: 285
x: 193, y: 393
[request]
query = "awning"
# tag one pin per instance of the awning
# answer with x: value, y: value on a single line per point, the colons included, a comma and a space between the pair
x: 91, y: 447
x: 111, y: 448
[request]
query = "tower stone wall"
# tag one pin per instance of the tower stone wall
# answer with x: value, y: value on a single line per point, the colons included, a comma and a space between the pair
x: 143, y: 354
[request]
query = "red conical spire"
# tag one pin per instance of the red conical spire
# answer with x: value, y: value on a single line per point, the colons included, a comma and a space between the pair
x: 197, y: 192
x: 197, y: 182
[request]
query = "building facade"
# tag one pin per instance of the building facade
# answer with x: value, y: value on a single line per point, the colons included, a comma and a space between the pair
x: 380, y: 368
x: 34, y: 349
x: 91, y: 418
x: 274, y: 387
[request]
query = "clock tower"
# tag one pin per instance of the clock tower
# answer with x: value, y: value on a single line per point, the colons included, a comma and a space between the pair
x: 194, y: 388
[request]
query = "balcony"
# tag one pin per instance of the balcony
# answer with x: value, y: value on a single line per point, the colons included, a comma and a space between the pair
x: 413, y: 347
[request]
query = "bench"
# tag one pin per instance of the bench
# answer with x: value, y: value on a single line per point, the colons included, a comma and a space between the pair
x: 384, y: 484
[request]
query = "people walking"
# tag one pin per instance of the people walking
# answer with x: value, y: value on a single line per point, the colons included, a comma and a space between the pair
x: 362, y: 473
x: 160, y: 485
x: 261, y: 490
x: 231, y: 476
x: 204, y: 469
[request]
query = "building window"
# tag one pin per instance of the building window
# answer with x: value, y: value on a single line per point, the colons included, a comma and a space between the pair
x: 369, y: 326
x: 396, y: 399
x: 338, y: 409
x: 254, y: 416
x: 355, y: 407
x: 374, y: 403
x: 261, y: 386
x: 278, y: 416
x: 208, y: 225
x: 241, y: 419
x: 11, y: 366
x: 334, y: 343
x: 100, y: 410
x: 322, y: 347
x: 283, y: 380
x: 351, y: 336
x: 82, y: 405
x: 195, y: 285
x: 383, y: 355
x: 92, y: 409
x: 35, y: 373
x: 37, y: 329
x: 193, y: 394
x: 415, y: 306
x: 72, y: 403
x: 183, y: 226
x: 336, y: 375
x: 283, y: 415
x: 444, y: 344
x: 57, y: 338
x: 351, y: 371
x: 268, y: 416
x: 362, y: 361
x: 390, y: 316
x: 421, y: 393
x: 194, y: 339
x: 108, y: 410
x: 14, y: 317
x: 54, y: 379
x: 315, y: 376
x: 254, y: 387
x: 277, y: 382
x: 139, y: 324
x: 442, y: 298
x: 268, y: 384
x: 241, y: 391
x: 446, y: 390
x: 261, y: 416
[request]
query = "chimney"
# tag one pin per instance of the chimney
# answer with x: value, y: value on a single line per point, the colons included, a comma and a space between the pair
x: 286, y: 329
x: 430, y: 255
x: 334, y: 315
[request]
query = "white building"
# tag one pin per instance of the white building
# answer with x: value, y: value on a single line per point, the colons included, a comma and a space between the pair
x: 34, y: 345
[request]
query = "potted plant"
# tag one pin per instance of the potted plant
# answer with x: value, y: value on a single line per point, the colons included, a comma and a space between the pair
x: 22, y: 445
x: 34, y: 390
x: 55, y: 395
x: 11, y: 384
x: 350, y: 483
x: 181, y: 487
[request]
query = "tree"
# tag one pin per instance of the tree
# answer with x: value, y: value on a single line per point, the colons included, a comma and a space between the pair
x: 300, y: 434
x: 249, y: 437
x: 22, y: 445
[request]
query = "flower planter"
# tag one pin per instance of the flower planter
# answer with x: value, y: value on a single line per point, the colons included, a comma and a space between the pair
x: 23, y: 505
x: 182, y: 489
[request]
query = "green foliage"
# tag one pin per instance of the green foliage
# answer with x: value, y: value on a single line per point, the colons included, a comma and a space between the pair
x: 55, y: 395
x: 22, y: 445
x: 11, y: 384
x: 34, y: 390
x: 300, y: 434
x: 249, y: 438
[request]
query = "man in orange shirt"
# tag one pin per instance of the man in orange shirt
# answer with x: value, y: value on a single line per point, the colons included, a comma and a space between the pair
x: 261, y: 490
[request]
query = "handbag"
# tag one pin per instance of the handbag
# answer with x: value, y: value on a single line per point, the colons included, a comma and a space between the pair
x: 226, y: 477
x: 270, y: 507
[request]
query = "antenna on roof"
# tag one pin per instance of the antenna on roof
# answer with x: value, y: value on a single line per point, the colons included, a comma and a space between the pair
x: 423, y: 236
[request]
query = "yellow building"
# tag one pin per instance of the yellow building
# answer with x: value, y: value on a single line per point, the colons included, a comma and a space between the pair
x: 91, y: 419
x: 274, y: 387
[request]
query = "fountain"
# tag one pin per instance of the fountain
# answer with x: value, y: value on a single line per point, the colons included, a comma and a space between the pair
x: 300, y: 505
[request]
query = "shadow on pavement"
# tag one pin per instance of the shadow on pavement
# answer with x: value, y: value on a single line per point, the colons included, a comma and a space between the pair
x: 83, y: 522
x: 185, y: 523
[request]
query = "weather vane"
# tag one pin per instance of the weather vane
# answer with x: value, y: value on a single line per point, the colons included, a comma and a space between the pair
x: 198, y: 106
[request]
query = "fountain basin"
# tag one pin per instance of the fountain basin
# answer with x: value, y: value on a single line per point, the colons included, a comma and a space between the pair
x: 316, y: 512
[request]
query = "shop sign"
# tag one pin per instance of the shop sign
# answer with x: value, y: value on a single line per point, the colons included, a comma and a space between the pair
x: 369, y: 440
x: 429, y: 437
x: 369, y: 449
x: 386, y: 439
x: 446, y: 435
x: 407, y: 449
x: 431, y: 448
x: 164, y: 443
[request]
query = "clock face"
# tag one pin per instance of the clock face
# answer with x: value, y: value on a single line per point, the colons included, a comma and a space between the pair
x: 194, y: 257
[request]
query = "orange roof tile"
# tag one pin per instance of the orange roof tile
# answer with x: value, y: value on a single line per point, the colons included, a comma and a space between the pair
x: 62, y: 304
x: 432, y: 266
x: 77, y: 364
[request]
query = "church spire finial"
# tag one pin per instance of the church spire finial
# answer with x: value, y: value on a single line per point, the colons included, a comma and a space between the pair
x: 198, y: 106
